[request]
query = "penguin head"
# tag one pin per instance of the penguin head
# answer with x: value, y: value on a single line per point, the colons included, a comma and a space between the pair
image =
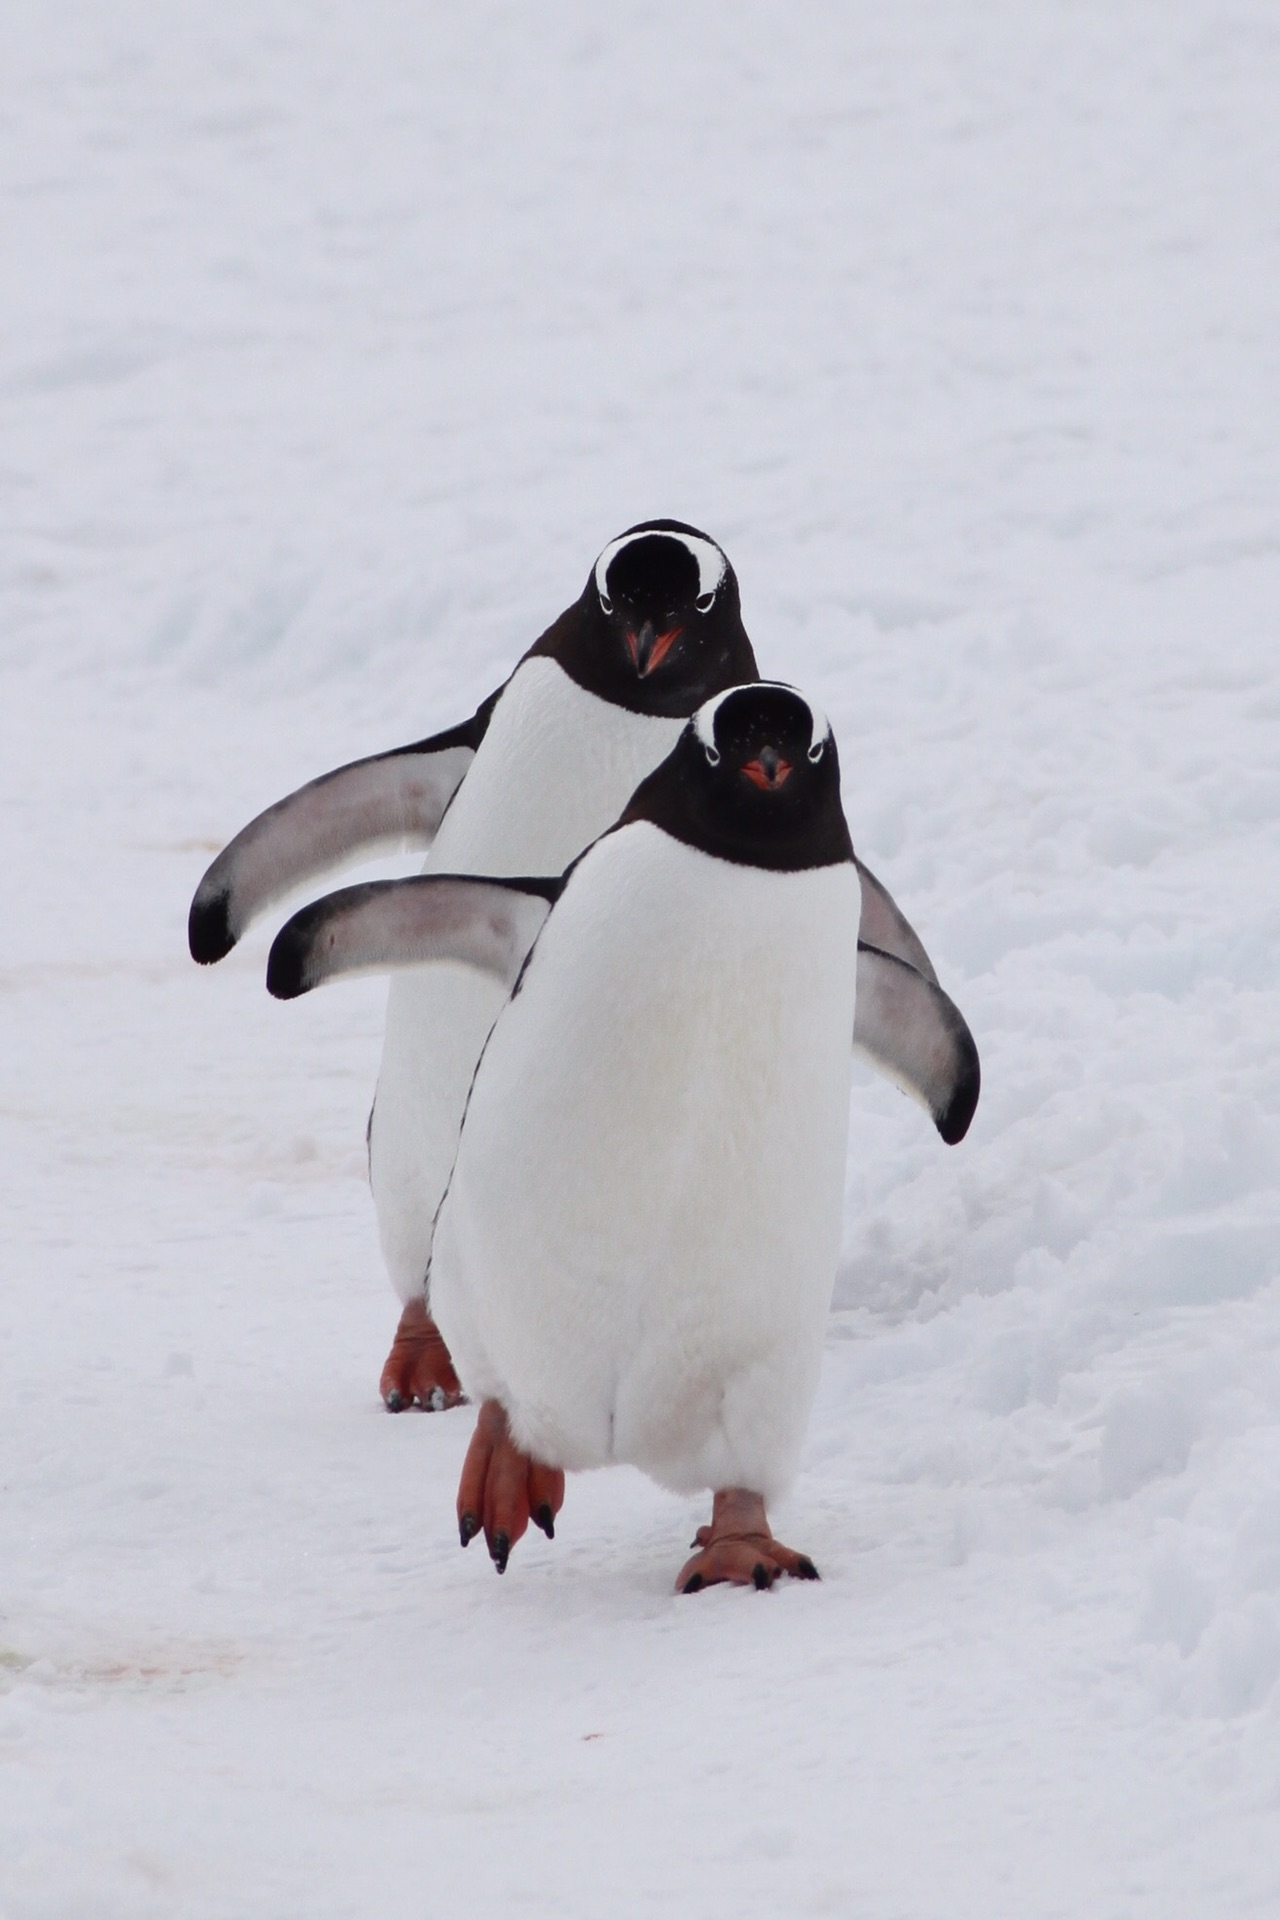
x: 658, y: 627
x: 754, y: 778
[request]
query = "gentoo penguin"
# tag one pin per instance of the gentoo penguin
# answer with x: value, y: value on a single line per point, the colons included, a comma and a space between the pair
x: 544, y: 765
x: 634, y: 1256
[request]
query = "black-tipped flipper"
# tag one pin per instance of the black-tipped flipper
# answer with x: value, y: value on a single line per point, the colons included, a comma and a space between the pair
x: 884, y: 925
x: 489, y: 924
x: 391, y: 799
x: 209, y: 927
x: 913, y: 1032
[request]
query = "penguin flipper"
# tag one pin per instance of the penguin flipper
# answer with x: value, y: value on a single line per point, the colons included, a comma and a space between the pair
x: 884, y: 925
x: 913, y: 1032
x: 388, y: 800
x: 386, y: 924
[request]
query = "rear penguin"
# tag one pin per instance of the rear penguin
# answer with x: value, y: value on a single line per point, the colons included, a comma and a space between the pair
x: 542, y: 767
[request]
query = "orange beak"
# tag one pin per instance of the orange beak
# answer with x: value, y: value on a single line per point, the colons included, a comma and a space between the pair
x: 649, y: 649
x: 768, y: 770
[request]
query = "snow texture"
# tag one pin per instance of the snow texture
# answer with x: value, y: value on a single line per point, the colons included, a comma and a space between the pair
x: 336, y: 342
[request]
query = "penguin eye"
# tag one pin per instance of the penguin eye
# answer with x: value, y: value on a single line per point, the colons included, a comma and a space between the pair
x: 713, y: 756
x: 705, y: 601
x: 606, y: 604
x: 815, y: 751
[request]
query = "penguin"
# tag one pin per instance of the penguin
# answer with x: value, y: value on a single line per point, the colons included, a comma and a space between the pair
x: 544, y: 765
x: 634, y: 1255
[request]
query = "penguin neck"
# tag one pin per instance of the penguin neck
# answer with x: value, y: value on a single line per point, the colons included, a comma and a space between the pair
x: 555, y: 768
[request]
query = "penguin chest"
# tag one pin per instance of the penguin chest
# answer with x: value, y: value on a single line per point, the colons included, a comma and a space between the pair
x: 554, y: 770
x: 644, y: 1217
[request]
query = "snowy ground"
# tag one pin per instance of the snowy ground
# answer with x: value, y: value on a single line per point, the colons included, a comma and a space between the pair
x: 335, y: 341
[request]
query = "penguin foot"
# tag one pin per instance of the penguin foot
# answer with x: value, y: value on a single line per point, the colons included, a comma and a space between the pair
x: 738, y: 1547
x: 418, y: 1370
x: 502, y: 1489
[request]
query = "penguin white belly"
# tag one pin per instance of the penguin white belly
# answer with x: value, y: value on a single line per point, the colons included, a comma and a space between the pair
x: 638, y: 1243
x: 556, y: 767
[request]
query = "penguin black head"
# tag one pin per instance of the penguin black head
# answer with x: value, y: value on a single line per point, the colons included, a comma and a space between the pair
x: 658, y: 627
x: 754, y: 778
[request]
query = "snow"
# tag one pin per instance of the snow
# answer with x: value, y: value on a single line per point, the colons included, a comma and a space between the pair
x: 336, y: 342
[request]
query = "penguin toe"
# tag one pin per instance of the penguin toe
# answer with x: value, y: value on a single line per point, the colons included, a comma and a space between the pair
x: 738, y: 1549
x: 419, y: 1371
x: 797, y: 1565
x: 506, y: 1487
x: 546, y: 1495
x: 735, y: 1563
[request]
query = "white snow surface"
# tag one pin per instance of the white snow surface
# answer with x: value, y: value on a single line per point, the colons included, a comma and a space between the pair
x: 335, y: 343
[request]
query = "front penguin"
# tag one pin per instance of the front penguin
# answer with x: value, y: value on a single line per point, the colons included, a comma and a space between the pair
x: 634, y: 1257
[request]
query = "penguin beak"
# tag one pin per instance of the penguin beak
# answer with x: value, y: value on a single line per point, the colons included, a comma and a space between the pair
x: 768, y: 770
x: 648, y: 648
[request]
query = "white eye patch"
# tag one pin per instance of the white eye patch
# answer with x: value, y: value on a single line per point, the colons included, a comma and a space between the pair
x: 704, y: 720
x: 711, y: 563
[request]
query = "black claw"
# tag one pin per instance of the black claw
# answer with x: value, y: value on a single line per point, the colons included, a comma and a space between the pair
x: 501, y: 1551
x: 760, y: 1576
x: 694, y: 1583
x: 546, y: 1519
x: 468, y: 1528
x: 805, y: 1569
x: 394, y: 1401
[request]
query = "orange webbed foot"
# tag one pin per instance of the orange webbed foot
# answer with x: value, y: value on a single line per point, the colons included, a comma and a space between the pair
x: 502, y: 1489
x: 738, y: 1547
x: 419, y: 1371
